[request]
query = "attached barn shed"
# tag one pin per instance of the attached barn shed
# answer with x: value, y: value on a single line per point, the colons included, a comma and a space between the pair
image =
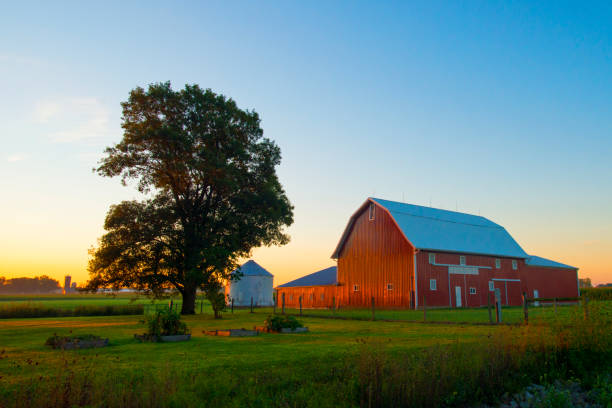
x: 255, y: 283
x: 549, y: 279
x: 317, y: 290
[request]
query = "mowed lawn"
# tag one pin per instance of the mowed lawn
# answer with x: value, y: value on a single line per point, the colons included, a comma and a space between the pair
x: 25, y: 357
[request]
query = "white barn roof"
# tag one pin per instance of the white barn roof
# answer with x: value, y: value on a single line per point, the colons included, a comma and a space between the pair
x: 433, y: 229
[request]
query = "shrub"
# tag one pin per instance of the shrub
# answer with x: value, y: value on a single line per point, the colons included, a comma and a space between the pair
x: 217, y: 301
x: 166, y: 322
x: 276, y: 323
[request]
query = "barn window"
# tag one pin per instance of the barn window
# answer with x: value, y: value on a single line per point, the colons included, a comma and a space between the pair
x: 497, y: 263
x: 514, y: 264
x: 462, y: 260
x: 322, y: 296
x: 372, y: 211
x: 311, y: 297
x: 290, y: 297
x: 389, y: 286
x: 491, y: 286
x: 432, y: 258
x: 355, y: 288
x: 433, y: 284
x: 472, y: 291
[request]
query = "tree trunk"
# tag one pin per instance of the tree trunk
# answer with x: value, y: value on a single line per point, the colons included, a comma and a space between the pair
x: 189, y: 300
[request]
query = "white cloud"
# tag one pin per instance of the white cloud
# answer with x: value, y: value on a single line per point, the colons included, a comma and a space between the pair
x: 15, y: 158
x: 74, y: 119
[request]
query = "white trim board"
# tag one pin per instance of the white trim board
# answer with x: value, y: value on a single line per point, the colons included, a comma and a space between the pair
x: 473, y: 266
x: 463, y: 270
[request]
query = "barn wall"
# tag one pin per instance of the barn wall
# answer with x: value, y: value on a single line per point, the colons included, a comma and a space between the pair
x: 375, y: 254
x: 510, y: 290
x: 313, y: 297
x: 550, y: 282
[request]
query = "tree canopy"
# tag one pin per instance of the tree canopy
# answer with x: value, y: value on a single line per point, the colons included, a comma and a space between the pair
x: 211, y: 194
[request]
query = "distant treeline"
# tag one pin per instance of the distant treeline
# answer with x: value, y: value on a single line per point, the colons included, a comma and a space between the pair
x: 40, y: 284
x: 599, y: 293
x: 34, y: 310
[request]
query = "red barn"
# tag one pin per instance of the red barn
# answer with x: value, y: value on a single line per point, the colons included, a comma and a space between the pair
x: 404, y: 255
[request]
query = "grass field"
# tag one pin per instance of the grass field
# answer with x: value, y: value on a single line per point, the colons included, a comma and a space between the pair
x: 271, y: 369
x: 74, y: 300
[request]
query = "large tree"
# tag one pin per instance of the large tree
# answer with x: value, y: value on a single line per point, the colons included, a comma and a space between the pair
x: 212, y: 194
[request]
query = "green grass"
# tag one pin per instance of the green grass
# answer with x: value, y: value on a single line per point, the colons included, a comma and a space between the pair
x: 543, y: 313
x: 271, y: 369
x: 73, y: 301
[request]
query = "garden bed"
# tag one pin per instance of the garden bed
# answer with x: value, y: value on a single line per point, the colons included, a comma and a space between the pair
x: 264, y: 329
x: 157, y: 339
x: 76, y: 342
x: 232, y: 333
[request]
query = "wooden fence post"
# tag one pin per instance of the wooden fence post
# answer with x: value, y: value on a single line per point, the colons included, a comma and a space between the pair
x: 274, y: 300
x: 373, y: 317
x: 300, y: 305
x: 201, y: 306
x: 489, y: 306
x: 525, y: 308
x: 232, y: 305
x: 424, y: 308
x: 555, y: 305
x: 283, y: 303
x: 586, y: 307
x: 251, y: 304
x: 498, y: 308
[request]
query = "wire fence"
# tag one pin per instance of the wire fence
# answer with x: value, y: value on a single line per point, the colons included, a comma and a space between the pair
x: 533, y: 311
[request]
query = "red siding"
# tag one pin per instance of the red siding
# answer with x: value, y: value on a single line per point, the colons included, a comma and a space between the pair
x: 550, y: 282
x: 375, y: 255
x: 440, y: 296
x: 313, y: 297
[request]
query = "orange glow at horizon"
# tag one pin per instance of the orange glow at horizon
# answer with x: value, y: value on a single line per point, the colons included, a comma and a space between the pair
x: 296, y: 259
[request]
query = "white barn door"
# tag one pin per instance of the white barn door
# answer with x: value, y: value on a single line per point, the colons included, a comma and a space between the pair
x: 458, y: 296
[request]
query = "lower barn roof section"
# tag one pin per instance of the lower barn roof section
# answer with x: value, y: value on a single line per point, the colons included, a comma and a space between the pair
x: 539, y: 261
x: 328, y: 276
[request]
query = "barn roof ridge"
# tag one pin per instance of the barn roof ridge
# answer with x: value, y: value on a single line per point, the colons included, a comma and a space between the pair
x: 490, y: 223
x: 454, y: 222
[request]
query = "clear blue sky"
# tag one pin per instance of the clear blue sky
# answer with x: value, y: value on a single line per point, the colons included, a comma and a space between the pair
x: 502, y: 109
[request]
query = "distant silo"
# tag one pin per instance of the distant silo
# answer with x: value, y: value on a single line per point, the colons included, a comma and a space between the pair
x: 67, y: 280
x: 255, y: 282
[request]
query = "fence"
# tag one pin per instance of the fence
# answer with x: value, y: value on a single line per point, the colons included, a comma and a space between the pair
x: 533, y: 310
